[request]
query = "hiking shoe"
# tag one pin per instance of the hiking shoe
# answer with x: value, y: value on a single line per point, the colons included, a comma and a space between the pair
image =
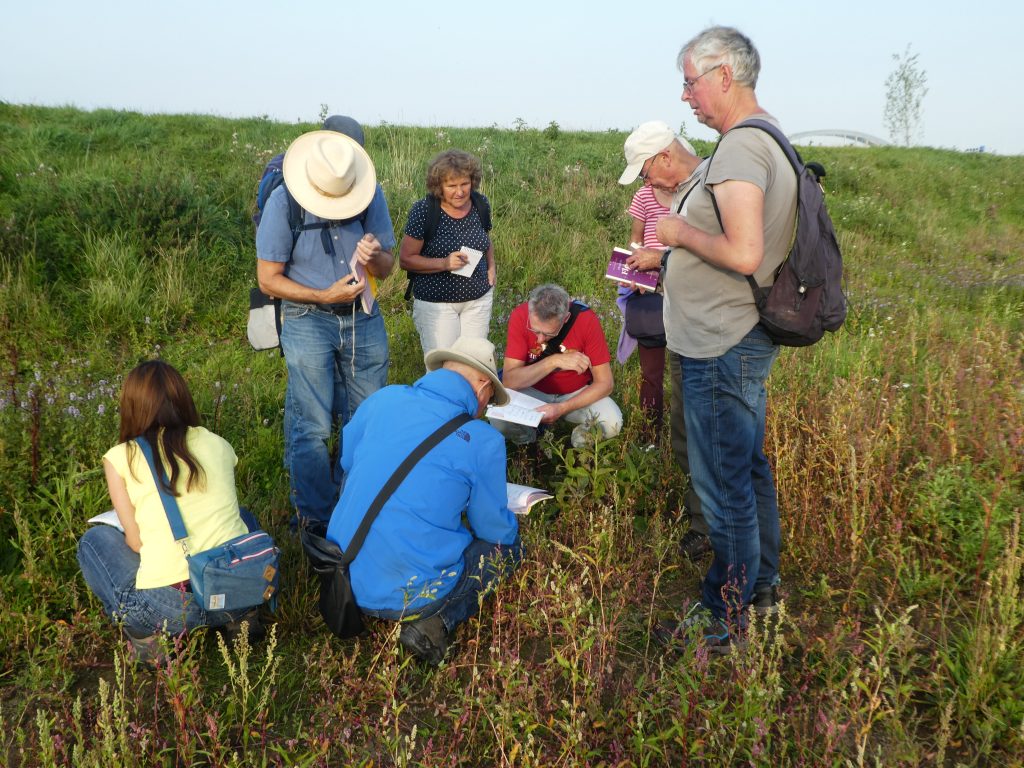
x: 694, y: 545
x: 250, y: 622
x: 766, y: 600
x: 147, y: 650
x: 698, y: 625
x: 426, y: 639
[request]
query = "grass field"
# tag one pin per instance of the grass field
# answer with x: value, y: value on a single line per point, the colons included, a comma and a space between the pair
x: 898, y: 447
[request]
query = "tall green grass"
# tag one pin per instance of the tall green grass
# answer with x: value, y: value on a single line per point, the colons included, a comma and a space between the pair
x: 898, y: 447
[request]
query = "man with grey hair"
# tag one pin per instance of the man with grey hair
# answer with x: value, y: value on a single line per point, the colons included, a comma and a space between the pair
x: 655, y: 143
x: 737, y: 219
x: 556, y: 352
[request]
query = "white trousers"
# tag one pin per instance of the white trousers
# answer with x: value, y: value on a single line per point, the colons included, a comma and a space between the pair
x: 441, y: 323
x: 605, y: 413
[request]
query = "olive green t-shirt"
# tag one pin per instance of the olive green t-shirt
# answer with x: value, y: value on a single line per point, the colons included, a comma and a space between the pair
x: 708, y: 309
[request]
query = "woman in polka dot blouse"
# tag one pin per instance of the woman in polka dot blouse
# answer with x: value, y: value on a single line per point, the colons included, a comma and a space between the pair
x: 448, y: 305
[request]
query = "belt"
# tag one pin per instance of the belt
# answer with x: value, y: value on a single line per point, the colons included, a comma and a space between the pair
x: 184, y: 586
x: 337, y: 309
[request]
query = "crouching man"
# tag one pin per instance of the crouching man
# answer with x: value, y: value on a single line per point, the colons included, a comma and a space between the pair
x: 557, y: 353
x: 420, y: 564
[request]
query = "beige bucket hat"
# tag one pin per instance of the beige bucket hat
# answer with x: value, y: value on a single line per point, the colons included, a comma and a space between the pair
x: 476, y: 353
x: 329, y: 174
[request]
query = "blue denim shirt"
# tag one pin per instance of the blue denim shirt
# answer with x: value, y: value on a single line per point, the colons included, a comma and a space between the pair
x: 308, y: 264
x: 413, y: 554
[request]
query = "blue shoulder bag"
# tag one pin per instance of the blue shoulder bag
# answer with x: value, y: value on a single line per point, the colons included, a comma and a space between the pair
x: 240, y: 573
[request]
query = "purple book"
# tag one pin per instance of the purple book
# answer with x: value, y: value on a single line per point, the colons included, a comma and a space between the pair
x: 620, y: 273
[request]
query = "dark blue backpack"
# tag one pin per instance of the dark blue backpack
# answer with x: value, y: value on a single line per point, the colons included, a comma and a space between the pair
x: 272, y: 178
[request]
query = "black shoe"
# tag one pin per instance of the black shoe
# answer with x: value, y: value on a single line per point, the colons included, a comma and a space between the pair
x: 694, y: 545
x: 766, y: 600
x: 427, y: 639
x: 248, y: 621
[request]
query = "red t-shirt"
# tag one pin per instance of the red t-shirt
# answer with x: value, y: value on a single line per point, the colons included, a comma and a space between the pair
x: 585, y: 336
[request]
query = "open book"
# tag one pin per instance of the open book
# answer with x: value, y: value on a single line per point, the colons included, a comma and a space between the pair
x: 521, y: 409
x: 620, y: 273
x: 522, y: 497
x: 108, y: 518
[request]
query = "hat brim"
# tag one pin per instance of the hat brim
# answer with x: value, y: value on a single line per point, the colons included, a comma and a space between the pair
x: 632, y: 172
x: 311, y: 199
x: 437, y: 357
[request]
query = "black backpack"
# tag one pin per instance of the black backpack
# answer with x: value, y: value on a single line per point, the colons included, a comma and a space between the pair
x: 478, y: 201
x: 807, y: 297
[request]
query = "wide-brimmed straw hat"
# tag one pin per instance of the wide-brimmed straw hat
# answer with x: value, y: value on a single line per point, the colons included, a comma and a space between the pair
x: 329, y: 174
x: 476, y: 353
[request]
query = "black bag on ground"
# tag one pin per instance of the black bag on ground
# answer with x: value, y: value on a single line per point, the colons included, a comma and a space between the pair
x: 337, y: 604
x: 806, y: 298
x: 644, y: 319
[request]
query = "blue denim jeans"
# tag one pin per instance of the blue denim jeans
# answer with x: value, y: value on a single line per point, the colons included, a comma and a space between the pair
x: 485, y: 564
x: 724, y: 405
x: 334, y: 363
x: 109, y: 566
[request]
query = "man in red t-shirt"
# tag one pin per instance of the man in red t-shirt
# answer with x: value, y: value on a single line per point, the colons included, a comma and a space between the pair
x: 574, y: 382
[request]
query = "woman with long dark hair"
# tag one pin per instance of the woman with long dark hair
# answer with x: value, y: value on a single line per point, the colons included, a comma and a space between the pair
x: 141, y: 574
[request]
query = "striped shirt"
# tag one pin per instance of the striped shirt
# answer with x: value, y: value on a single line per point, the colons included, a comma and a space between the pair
x: 646, y: 208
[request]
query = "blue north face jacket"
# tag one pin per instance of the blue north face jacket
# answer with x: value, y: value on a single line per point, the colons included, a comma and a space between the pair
x: 413, y: 552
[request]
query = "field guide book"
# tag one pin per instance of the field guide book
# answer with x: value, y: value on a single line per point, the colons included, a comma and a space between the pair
x: 620, y: 273
x: 521, y: 498
x: 520, y: 409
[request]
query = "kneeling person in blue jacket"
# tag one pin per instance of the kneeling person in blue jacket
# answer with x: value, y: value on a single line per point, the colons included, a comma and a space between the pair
x: 420, y: 564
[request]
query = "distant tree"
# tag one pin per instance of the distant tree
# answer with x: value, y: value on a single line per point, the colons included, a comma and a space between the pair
x: 904, y: 91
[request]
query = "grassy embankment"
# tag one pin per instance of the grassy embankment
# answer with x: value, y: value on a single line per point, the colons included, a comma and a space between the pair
x: 898, y: 446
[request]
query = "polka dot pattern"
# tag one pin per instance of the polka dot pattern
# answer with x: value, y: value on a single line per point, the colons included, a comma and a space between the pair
x: 450, y: 235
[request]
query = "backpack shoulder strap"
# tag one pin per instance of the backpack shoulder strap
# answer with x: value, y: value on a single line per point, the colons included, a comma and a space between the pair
x: 483, y: 208
x: 433, y: 217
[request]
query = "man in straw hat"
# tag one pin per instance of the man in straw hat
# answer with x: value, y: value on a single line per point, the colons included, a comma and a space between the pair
x: 419, y: 563
x: 332, y: 335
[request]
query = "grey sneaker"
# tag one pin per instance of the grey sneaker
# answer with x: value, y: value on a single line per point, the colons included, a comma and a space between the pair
x: 766, y: 600
x: 698, y: 625
x: 148, y: 651
x: 694, y: 545
x: 427, y: 639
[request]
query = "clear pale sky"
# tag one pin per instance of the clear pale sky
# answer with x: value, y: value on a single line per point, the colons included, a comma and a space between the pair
x: 586, y: 65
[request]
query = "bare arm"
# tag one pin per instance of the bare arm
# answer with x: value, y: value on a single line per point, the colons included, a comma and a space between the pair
x: 740, y: 247
x: 410, y: 258
x: 123, y: 506
x: 273, y: 282
x: 518, y: 375
x: 375, y: 259
x: 492, y: 267
x: 636, y: 232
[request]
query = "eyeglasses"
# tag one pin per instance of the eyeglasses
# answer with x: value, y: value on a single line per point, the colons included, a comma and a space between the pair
x: 688, y: 84
x: 645, y: 174
x: 547, y: 334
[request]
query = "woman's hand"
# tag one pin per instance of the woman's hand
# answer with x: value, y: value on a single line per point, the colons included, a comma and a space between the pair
x: 456, y: 260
